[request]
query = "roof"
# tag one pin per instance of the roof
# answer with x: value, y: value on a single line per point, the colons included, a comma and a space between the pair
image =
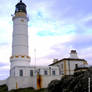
x: 72, y: 59
x: 21, y: 3
x: 20, y: 7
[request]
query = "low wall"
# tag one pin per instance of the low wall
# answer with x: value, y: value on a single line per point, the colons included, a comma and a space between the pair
x: 20, y: 82
x: 24, y: 82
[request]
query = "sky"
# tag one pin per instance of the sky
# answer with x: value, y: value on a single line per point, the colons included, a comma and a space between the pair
x: 55, y: 27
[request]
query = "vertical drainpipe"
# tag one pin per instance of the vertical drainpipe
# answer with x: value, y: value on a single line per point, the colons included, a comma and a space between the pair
x: 69, y: 67
x: 39, y: 80
x: 50, y: 71
x: 64, y: 67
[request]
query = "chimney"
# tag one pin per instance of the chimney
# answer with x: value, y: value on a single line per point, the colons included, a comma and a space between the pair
x: 73, y: 54
x: 55, y: 60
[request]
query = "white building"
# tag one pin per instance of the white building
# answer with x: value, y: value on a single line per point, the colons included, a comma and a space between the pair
x: 29, y: 76
x: 67, y: 65
x: 21, y: 73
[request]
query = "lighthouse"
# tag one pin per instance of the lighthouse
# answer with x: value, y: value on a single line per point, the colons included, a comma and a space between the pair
x: 20, y: 55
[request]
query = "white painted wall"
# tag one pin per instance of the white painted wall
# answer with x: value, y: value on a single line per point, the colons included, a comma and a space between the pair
x: 70, y: 66
x: 22, y: 82
x: 31, y: 81
x: 20, y: 62
x: 20, y: 36
x: 20, y: 42
x: 40, y: 69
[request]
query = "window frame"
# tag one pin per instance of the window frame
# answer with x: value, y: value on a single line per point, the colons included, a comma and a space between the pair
x: 21, y: 73
x: 45, y: 72
x: 53, y: 72
x: 31, y: 73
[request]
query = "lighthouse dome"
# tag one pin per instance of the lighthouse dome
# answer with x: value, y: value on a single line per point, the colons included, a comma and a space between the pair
x: 20, y: 7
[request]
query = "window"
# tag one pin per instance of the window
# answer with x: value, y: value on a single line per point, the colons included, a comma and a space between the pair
x: 76, y: 66
x: 31, y: 72
x: 61, y: 66
x: 53, y: 73
x: 21, y: 73
x: 45, y: 72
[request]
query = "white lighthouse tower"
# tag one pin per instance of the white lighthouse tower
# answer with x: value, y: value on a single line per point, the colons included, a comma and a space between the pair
x: 20, y: 55
x: 20, y: 60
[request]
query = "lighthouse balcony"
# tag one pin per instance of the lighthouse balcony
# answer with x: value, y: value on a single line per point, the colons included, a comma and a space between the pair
x: 19, y: 61
x: 20, y: 57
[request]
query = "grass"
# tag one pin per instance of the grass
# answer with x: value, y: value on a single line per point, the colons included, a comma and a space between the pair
x: 4, y: 88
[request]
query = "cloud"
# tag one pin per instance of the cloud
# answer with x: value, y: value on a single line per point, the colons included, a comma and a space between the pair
x: 87, y: 22
x: 67, y: 15
x: 64, y: 9
x: 5, y: 53
x: 48, y: 47
x: 3, y: 44
x: 4, y: 73
x: 3, y: 64
x: 4, y: 70
x: 81, y: 41
x: 59, y: 47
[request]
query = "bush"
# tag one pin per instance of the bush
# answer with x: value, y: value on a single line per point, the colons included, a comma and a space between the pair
x: 3, y: 88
